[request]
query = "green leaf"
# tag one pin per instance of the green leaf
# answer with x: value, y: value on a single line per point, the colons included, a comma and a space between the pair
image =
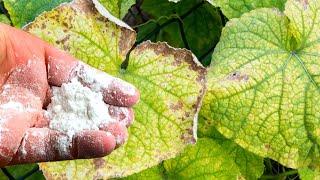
x: 235, y: 8
x: 118, y: 8
x: 24, y: 11
x: 205, y: 160
x: 209, y: 159
x: 250, y: 165
x: 308, y: 174
x: 19, y: 171
x: 166, y: 117
x: 176, y: 1
x: 263, y: 86
x: 4, y: 19
x: 3, y: 176
x: 154, y: 173
x: 201, y: 24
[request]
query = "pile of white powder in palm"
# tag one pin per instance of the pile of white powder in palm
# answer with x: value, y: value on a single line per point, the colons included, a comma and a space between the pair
x: 75, y: 108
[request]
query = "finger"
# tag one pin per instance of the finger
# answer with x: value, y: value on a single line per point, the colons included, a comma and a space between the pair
x: 62, y: 68
x: 43, y: 144
x: 115, y: 91
x: 118, y: 130
x: 93, y: 144
x: 123, y: 115
x: 60, y: 65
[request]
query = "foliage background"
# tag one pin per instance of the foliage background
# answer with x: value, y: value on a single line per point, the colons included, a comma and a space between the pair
x: 192, y: 24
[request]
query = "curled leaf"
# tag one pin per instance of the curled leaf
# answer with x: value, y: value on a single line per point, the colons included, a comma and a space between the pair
x: 166, y: 116
x: 117, y: 8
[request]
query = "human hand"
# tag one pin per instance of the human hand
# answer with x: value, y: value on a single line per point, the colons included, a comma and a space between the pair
x: 28, y: 69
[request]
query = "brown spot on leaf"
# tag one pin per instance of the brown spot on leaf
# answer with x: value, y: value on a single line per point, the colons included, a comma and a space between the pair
x: 63, y: 40
x: 99, y: 163
x: 267, y: 146
x: 177, y: 106
x: 180, y: 56
x: 305, y: 4
x: 188, y: 139
x: 237, y: 76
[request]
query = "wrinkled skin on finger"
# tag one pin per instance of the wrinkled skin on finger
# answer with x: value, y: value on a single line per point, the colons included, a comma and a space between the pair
x: 29, y: 67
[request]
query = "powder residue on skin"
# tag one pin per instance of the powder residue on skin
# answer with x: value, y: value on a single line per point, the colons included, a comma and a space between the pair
x: 75, y: 108
x: 12, y: 105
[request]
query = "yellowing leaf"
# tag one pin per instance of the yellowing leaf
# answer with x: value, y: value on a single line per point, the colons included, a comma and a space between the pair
x: 214, y: 158
x: 235, y: 8
x: 205, y: 160
x: 171, y: 83
x: 264, y: 83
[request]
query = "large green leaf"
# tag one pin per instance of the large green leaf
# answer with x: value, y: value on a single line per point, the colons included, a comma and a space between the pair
x: 235, y: 8
x: 264, y: 83
x: 171, y: 83
x: 250, y: 165
x: 201, y: 24
x: 4, y: 19
x: 24, y: 11
x: 204, y: 160
x: 117, y: 8
x: 208, y: 159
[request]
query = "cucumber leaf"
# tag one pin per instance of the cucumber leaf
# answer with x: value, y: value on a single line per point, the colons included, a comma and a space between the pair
x: 235, y: 8
x: 24, y: 11
x: 118, y: 8
x: 208, y: 159
x: 166, y: 116
x: 263, y: 84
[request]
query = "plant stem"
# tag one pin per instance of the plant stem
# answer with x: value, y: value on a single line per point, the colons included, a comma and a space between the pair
x: 183, y: 34
x: 169, y: 21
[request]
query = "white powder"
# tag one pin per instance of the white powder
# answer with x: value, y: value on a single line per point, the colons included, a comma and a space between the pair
x: 12, y: 105
x: 75, y: 108
x: 98, y: 80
